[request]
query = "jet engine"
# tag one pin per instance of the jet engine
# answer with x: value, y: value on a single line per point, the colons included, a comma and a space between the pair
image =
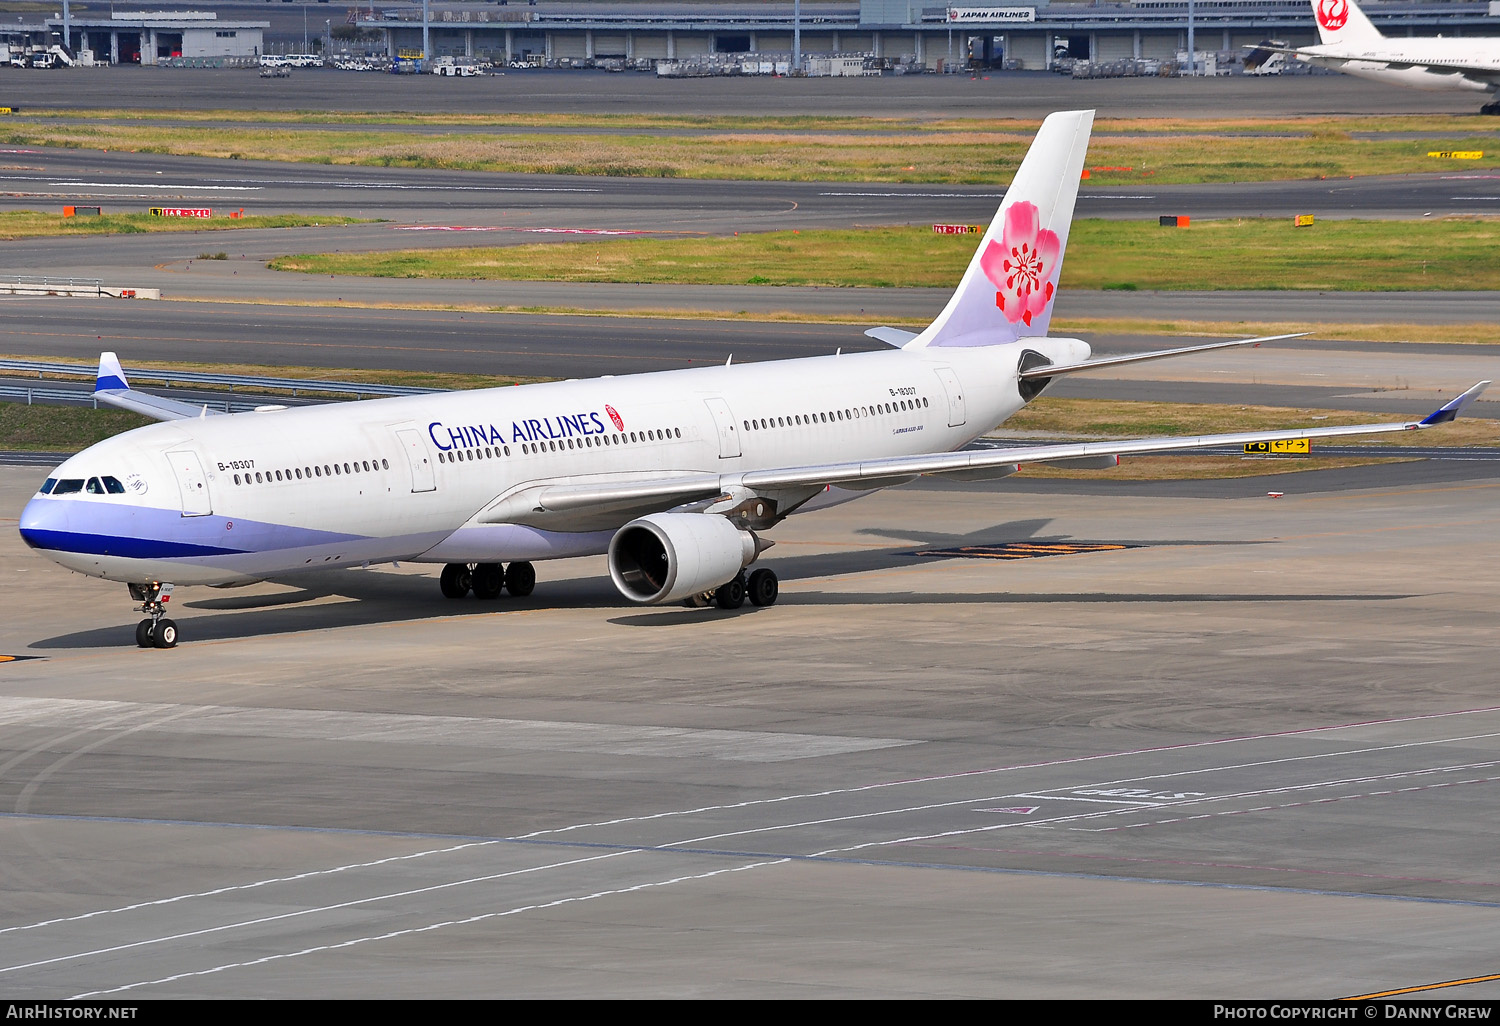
x: 664, y: 557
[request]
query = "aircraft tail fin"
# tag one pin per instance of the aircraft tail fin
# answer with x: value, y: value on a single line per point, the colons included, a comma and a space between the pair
x: 1008, y: 289
x: 1341, y: 21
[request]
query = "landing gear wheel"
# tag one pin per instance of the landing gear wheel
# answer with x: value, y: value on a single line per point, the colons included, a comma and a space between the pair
x: 143, y: 634
x: 731, y: 595
x: 520, y: 579
x: 165, y: 634
x: 1490, y: 108
x: 489, y: 580
x: 764, y: 588
x: 455, y: 580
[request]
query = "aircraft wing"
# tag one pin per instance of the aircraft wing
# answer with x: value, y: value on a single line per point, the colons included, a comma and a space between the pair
x: 607, y: 501
x: 1484, y: 73
x: 971, y: 461
x: 111, y: 387
x: 1048, y: 370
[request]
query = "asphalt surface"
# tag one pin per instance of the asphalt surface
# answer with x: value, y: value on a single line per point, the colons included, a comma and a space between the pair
x: 1248, y: 755
x: 1030, y: 95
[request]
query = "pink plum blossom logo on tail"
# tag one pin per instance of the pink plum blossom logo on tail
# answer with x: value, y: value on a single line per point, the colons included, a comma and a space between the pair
x: 1023, y: 264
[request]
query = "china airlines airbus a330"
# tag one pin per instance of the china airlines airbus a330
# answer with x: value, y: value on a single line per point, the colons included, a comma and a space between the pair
x: 675, y: 475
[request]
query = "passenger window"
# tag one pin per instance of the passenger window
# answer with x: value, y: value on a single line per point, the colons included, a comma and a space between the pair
x: 236, y: 479
x: 384, y: 465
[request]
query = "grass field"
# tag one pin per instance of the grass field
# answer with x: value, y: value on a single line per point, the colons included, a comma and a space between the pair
x: 1228, y: 254
x: 769, y: 148
x: 31, y: 224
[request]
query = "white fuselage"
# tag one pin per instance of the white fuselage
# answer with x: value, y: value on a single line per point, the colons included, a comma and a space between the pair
x: 229, y: 499
x: 1431, y: 57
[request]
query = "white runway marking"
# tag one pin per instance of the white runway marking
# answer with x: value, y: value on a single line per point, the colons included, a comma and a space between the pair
x: 354, y: 903
x: 163, y: 186
x: 1180, y: 806
x: 571, y: 900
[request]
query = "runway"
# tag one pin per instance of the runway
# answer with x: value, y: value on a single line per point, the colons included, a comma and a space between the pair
x: 1030, y: 95
x: 1204, y: 765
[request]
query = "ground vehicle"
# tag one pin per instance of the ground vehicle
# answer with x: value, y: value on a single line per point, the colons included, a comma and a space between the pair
x: 452, y: 67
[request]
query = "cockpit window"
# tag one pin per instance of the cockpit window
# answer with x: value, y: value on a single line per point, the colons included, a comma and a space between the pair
x: 94, y: 487
x: 48, y: 485
x: 113, y: 486
x: 67, y: 485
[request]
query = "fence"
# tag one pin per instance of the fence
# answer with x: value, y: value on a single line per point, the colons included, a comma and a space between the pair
x: 231, y: 381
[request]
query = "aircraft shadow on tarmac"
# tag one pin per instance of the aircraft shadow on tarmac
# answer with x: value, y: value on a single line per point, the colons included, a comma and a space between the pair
x: 373, y: 597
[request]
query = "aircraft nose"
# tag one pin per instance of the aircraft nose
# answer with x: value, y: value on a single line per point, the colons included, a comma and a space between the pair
x: 34, y: 522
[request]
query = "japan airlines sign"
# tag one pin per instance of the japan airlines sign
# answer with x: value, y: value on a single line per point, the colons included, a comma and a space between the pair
x: 991, y: 15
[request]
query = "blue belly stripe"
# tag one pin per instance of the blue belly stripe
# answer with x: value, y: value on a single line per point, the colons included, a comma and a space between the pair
x: 113, y: 545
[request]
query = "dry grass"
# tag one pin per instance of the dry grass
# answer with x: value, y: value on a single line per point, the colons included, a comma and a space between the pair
x: 889, y: 150
x: 30, y: 224
x: 1107, y: 418
x: 1239, y: 253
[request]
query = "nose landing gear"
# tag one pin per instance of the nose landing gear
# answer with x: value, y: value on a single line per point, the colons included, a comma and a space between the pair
x: 157, y: 631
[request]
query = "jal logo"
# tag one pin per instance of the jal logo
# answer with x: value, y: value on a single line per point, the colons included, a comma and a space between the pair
x: 615, y: 416
x: 1333, y: 14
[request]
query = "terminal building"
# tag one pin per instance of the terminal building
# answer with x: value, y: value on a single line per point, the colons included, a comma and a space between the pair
x: 1028, y: 37
x: 907, y: 34
x: 151, y: 37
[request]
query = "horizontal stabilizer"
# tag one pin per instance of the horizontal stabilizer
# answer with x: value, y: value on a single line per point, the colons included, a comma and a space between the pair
x: 1052, y: 371
x: 891, y: 336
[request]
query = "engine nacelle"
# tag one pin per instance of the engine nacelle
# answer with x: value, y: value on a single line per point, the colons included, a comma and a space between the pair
x: 669, y: 556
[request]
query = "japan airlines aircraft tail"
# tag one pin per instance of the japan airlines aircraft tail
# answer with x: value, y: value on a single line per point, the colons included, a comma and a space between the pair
x: 674, y: 476
x: 1351, y: 44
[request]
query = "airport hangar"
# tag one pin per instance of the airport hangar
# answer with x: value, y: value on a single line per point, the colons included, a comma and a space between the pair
x: 896, y: 30
x: 899, y: 31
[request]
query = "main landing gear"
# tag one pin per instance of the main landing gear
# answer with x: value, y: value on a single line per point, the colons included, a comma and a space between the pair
x: 1490, y: 108
x: 157, y: 631
x: 761, y: 587
x: 487, y: 580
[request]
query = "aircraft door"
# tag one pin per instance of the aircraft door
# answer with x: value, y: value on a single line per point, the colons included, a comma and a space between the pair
x: 192, y: 483
x: 729, y: 438
x: 956, y: 412
x: 418, y: 458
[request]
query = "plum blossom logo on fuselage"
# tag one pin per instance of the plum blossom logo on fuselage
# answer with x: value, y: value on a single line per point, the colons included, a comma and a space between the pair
x: 615, y: 417
x: 1333, y: 14
x: 1023, y: 264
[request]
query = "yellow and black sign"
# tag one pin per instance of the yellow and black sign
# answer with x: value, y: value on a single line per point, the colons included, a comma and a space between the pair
x: 1302, y: 220
x: 1457, y: 154
x: 7, y: 110
x: 1284, y: 447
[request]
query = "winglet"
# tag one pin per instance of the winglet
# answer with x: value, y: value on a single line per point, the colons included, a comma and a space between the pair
x: 111, y: 374
x: 1449, y: 411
